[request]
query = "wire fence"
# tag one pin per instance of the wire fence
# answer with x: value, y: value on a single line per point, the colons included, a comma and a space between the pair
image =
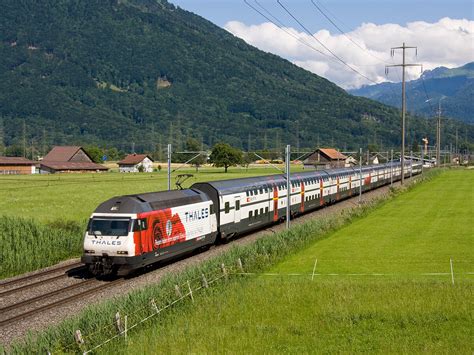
x: 123, y: 322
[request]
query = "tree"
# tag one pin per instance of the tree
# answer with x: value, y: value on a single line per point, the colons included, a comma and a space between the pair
x: 192, y: 145
x: 223, y: 155
x: 95, y: 153
x: 247, y: 159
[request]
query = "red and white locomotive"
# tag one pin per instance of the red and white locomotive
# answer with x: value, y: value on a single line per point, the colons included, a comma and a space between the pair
x: 129, y: 232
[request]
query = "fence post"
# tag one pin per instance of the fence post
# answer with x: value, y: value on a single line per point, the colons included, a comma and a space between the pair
x: 452, y: 271
x: 125, y: 331
x: 79, y: 340
x: 178, y: 291
x: 239, y: 264
x: 204, y: 281
x: 190, y: 291
x: 224, y: 271
x: 118, y: 323
x: 154, y: 306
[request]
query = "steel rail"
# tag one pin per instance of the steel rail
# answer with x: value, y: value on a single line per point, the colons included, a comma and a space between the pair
x: 39, y: 274
x: 67, y: 299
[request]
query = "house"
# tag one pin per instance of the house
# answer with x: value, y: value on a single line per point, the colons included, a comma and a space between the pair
x: 325, y: 158
x: 132, y: 163
x: 68, y: 159
x: 17, y: 166
x: 351, y: 161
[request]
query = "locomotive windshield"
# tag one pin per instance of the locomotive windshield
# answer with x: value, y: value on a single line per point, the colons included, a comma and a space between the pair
x: 113, y: 227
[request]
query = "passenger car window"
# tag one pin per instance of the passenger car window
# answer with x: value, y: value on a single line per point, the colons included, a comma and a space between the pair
x: 237, y: 205
x: 227, y: 207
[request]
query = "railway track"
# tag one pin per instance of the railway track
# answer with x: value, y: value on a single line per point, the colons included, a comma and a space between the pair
x: 17, y: 311
x: 39, y: 275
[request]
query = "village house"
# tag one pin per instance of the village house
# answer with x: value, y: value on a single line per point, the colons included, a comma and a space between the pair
x: 134, y: 163
x: 325, y: 158
x: 17, y: 166
x: 69, y: 159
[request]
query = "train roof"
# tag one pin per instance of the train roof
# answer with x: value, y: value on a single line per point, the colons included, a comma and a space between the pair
x: 238, y: 185
x: 151, y: 201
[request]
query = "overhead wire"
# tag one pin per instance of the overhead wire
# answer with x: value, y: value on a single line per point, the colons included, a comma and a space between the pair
x: 345, y: 34
x: 323, y: 45
x: 282, y: 26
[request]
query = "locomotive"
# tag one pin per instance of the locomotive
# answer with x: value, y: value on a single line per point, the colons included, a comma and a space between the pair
x: 129, y: 232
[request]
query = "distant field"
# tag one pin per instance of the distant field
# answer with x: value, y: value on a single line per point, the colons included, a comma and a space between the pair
x: 409, y: 305
x: 74, y: 196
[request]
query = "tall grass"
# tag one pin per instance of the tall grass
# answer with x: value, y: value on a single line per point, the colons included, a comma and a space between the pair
x: 96, y: 322
x: 28, y: 245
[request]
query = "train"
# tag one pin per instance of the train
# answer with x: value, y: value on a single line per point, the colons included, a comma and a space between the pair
x: 126, y: 233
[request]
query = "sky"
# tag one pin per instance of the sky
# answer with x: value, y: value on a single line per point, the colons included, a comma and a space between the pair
x: 360, y: 35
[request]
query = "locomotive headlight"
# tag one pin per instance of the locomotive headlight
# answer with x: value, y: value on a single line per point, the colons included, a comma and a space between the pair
x: 120, y: 252
x: 89, y: 251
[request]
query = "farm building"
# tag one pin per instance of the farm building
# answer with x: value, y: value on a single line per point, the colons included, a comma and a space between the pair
x: 17, y: 166
x: 68, y: 159
x: 325, y: 158
x: 132, y: 162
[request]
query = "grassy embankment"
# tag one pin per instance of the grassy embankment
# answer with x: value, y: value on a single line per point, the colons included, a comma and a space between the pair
x: 408, y: 307
x: 332, y: 313
x: 42, y: 217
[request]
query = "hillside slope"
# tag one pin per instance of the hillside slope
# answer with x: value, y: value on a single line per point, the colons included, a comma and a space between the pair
x: 455, y: 85
x: 119, y: 72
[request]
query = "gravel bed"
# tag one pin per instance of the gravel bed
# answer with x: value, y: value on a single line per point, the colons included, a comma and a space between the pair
x: 55, y: 316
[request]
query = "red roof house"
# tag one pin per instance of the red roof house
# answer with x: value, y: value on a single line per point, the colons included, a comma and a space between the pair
x: 134, y: 163
x: 69, y: 159
x: 325, y: 158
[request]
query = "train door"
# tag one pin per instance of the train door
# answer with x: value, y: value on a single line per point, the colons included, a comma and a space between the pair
x: 302, y: 196
x: 275, y: 203
x: 321, y: 192
x: 237, y: 209
x: 338, y: 196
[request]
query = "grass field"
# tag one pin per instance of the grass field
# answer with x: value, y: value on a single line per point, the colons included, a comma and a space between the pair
x: 410, y: 305
x: 48, y: 198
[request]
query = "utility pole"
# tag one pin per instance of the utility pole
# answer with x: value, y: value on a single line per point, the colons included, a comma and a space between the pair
x: 360, y: 176
x: 438, y: 136
x: 24, y: 139
x: 169, y: 167
x: 404, y: 104
x: 288, y: 186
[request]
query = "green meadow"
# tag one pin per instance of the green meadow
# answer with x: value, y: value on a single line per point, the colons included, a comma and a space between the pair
x: 48, y: 198
x: 382, y: 284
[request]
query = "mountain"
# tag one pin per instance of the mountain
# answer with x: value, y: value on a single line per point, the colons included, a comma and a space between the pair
x: 144, y: 73
x: 454, y: 87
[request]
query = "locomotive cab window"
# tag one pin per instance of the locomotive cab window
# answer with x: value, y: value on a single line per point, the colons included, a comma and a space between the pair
x: 237, y: 205
x: 109, y: 226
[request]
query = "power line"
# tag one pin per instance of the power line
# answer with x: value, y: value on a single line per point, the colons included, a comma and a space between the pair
x: 323, y: 45
x: 345, y: 34
x: 282, y: 26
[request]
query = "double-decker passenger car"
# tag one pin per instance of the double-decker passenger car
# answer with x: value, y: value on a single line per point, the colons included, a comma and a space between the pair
x: 129, y: 232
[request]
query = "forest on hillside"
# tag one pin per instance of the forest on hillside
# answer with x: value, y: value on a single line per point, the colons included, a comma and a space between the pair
x: 138, y: 74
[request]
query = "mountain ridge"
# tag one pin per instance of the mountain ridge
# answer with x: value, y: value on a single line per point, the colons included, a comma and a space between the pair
x: 146, y: 73
x: 454, y: 88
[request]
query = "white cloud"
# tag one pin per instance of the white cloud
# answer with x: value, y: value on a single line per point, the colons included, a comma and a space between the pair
x: 448, y: 42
